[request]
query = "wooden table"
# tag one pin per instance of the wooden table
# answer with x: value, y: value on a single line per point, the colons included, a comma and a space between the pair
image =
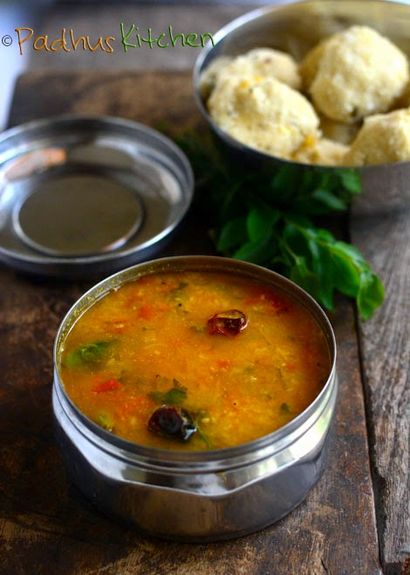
x: 355, y: 521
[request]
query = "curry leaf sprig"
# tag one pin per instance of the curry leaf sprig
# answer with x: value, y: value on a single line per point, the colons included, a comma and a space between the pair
x: 268, y: 218
x: 308, y: 255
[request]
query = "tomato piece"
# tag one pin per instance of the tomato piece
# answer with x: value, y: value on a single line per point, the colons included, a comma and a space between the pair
x: 224, y: 363
x: 277, y: 301
x: 109, y: 385
x: 229, y: 322
x: 146, y: 312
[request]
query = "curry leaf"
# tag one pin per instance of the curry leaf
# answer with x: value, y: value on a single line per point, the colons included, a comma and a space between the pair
x: 371, y: 294
x: 174, y: 396
x: 323, y: 265
x: 256, y: 252
x: 329, y: 201
x: 260, y: 222
x: 350, y: 180
x: 89, y: 354
x: 232, y: 234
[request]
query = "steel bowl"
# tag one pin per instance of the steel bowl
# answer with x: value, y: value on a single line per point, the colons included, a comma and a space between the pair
x: 296, y: 28
x: 196, y: 496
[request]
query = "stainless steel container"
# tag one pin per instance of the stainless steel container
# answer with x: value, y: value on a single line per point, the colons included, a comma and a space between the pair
x: 88, y: 195
x: 196, y: 496
x: 296, y: 27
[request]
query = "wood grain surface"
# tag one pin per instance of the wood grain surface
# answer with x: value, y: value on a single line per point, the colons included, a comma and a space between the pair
x: 46, y: 526
x: 385, y: 350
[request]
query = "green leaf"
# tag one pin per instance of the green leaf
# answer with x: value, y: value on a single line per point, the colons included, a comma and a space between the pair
x: 371, y: 294
x: 325, y: 265
x: 323, y: 268
x: 91, y: 354
x: 347, y: 275
x: 260, y: 222
x: 298, y: 220
x: 256, y: 252
x: 349, y: 251
x: 174, y: 396
x: 300, y: 274
x: 296, y: 241
x: 232, y: 234
x: 329, y: 200
x: 324, y: 235
x: 285, y: 179
x: 350, y: 179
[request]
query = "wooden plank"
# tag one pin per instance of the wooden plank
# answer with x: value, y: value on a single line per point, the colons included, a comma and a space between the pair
x: 46, y: 526
x: 384, y: 238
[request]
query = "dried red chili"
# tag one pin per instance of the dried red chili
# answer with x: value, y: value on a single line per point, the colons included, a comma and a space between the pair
x: 172, y: 422
x: 229, y: 322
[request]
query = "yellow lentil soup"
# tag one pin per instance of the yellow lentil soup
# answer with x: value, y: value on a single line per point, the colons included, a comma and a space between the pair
x: 194, y: 360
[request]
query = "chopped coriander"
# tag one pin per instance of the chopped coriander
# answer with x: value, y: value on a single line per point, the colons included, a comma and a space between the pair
x: 199, y: 418
x: 285, y: 408
x: 177, y: 293
x: 105, y: 420
x: 203, y: 436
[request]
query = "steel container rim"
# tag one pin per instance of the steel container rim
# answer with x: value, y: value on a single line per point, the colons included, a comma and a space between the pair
x: 194, y: 461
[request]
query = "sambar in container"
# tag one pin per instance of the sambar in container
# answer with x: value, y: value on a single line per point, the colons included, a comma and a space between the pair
x: 193, y: 396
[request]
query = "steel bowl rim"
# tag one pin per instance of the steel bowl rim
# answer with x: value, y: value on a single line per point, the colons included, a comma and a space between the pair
x: 165, y: 457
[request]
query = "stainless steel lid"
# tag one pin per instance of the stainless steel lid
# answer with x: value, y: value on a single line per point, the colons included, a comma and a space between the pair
x: 86, y: 195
